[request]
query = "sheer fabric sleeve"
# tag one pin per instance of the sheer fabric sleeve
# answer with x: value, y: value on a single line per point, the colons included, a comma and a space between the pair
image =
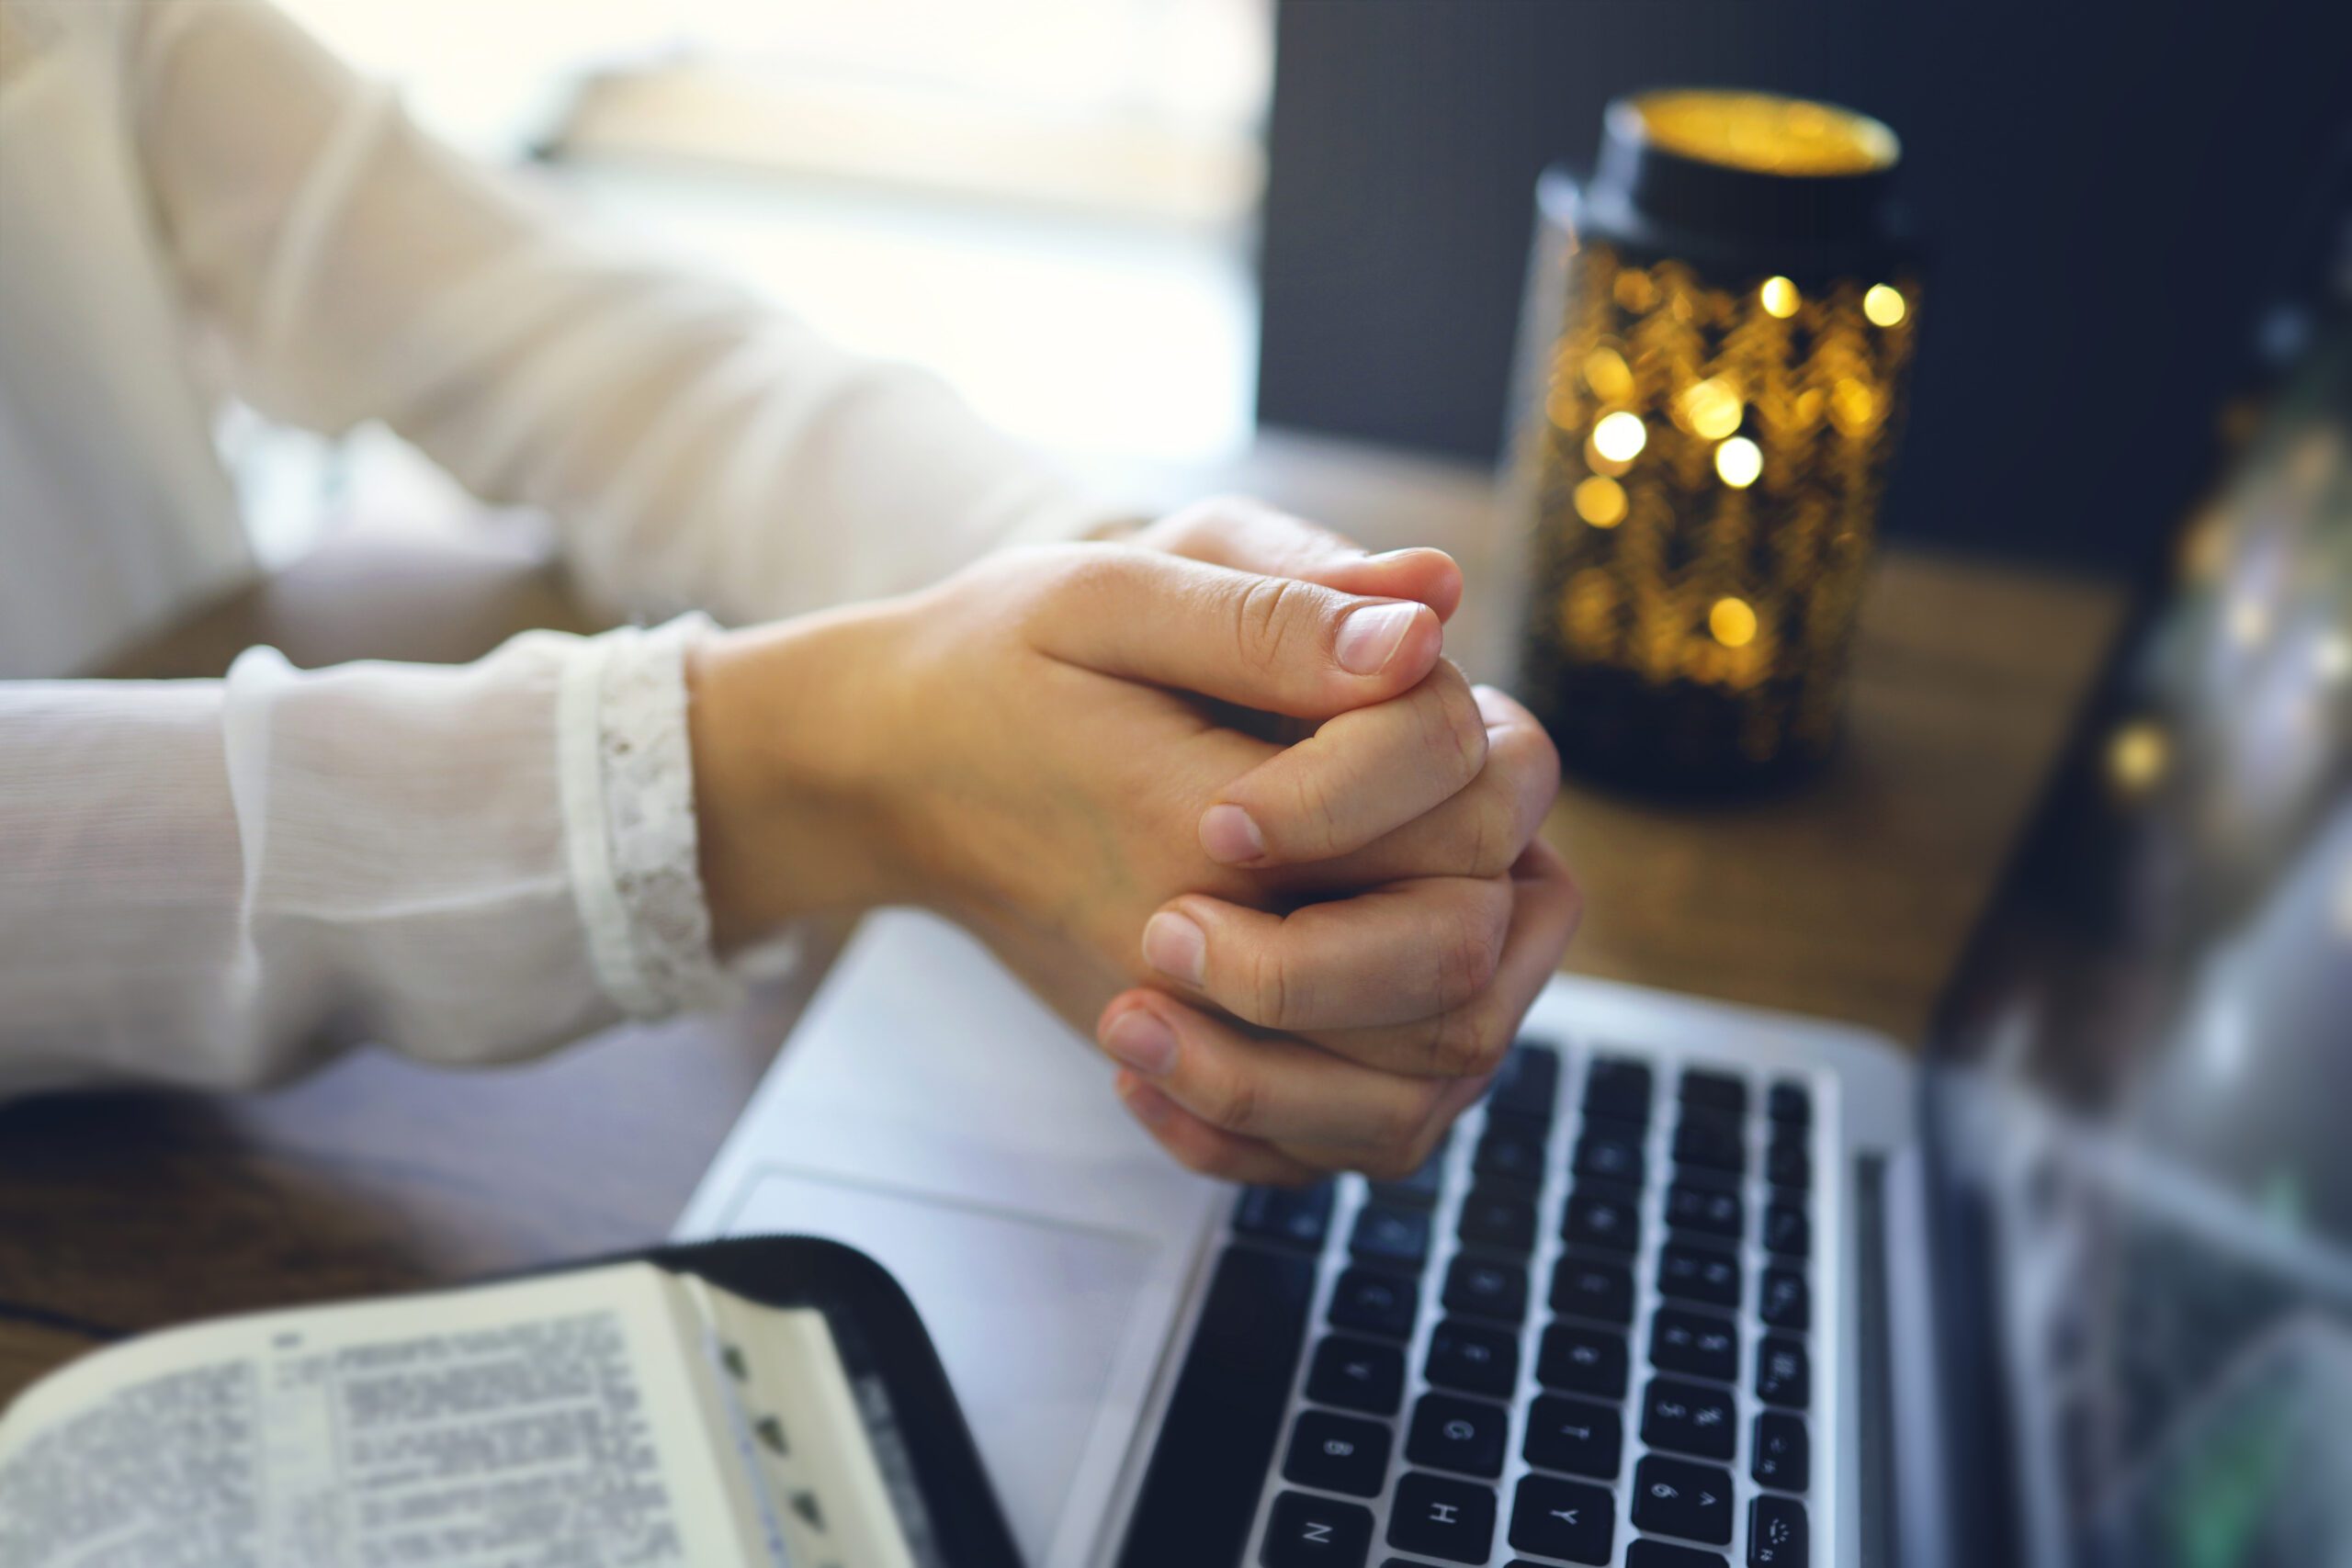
x: 700, y: 450
x: 214, y: 883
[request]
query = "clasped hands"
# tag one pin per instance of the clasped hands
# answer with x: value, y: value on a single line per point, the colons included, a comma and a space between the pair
x: 1305, y: 956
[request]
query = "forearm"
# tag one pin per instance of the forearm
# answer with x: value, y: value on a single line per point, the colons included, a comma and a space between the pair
x: 215, y: 882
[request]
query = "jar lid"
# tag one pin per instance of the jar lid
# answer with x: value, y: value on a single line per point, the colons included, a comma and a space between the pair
x: 1723, y: 174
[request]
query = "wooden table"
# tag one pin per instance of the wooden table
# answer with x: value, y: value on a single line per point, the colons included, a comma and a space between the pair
x: 122, y: 1211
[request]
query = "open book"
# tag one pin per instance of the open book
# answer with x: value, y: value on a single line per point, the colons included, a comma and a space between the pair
x: 625, y: 1414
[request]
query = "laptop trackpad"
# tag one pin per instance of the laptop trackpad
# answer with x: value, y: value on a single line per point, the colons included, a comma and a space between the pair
x: 1030, y: 1316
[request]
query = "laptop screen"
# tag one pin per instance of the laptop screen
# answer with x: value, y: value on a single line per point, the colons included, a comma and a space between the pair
x: 2138, y: 1099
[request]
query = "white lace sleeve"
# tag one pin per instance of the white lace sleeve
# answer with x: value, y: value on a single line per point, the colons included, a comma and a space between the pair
x: 630, y: 820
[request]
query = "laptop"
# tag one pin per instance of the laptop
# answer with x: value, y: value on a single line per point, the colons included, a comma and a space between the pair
x: 2067, y: 1284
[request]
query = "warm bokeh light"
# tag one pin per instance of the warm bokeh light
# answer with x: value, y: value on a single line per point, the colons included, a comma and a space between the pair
x: 1620, y: 436
x: 1780, y: 298
x: 1853, y: 407
x: 2249, y: 621
x: 1712, y: 407
x: 1884, y: 305
x: 1738, y: 461
x: 1600, y: 501
x: 1610, y: 378
x: 2136, y: 757
x: 1731, y: 622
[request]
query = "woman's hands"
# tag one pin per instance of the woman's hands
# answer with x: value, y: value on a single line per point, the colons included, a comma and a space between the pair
x: 1306, y: 957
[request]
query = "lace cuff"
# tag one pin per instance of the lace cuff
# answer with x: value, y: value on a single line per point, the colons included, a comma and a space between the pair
x: 630, y: 820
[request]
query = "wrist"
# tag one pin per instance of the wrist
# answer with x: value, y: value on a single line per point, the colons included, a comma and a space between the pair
x: 785, y: 723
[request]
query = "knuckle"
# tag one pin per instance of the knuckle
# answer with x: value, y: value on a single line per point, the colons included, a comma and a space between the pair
x: 1455, y: 731
x: 1398, y: 1123
x: 1266, y: 614
x: 1490, y: 834
x: 1467, y: 1043
x: 1234, y: 1103
x: 1467, y: 957
x: 1273, y: 991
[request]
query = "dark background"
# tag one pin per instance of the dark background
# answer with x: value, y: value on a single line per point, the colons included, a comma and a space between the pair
x: 2111, y: 193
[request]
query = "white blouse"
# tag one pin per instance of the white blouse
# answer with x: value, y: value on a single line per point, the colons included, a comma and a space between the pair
x: 210, y: 883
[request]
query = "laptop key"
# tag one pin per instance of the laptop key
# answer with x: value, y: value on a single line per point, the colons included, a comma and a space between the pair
x: 1468, y: 1435
x: 1396, y: 1236
x: 1316, y: 1532
x: 1372, y: 1301
x: 1783, y: 1452
x: 1783, y: 1301
x: 1598, y: 1288
x: 1611, y: 1150
x: 1783, y: 1373
x: 1790, y: 1104
x: 1511, y: 1150
x: 1357, y: 1374
x: 1337, y: 1453
x: 1602, y: 1213
x: 1708, y: 1209
x: 1492, y: 1216
x: 1200, y: 1493
x: 1787, y: 1232
x: 1697, y: 1343
x: 1786, y: 1162
x: 1474, y: 1358
x: 1665, y: 1554
x: 1689, y: 1418
x: 1776, y: 1533
x: 1291, y: 1216
x: 1568, y: 1519
x: 1572, y: 1435
x: 1486, y: 1288
x: 1617, y: 1086
x: 1439, y: 1517
x: 1674, y: 1496
x: 1574, y: 1358
x: 1528, y: 1083
x: 1698, y: 1274
x: 1708, y: 1138
x: 1716, y: 1091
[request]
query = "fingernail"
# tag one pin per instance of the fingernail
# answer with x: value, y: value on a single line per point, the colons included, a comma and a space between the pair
x: 1174, y: 945
x: 1148, y: 1105
x: 1230, y: 836
x: 1369, y: 637
x: 1140, y: 1039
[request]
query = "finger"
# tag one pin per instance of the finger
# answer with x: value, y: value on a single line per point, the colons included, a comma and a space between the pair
x: 1198, y: 1146
x: 1249, y: 534
x: 1470, y: 1040
x: 1389, y: 955
x: 1359, y: 776
x: 1272, y: 643
x: 1269, y: 1087
x: 1459, y: 1095
x: 1479, y: 830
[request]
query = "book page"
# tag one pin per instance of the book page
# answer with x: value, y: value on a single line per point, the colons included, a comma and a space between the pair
x: 550, y: 1421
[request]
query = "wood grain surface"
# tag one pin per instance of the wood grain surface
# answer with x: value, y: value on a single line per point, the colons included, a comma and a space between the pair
x: 122, y: 1211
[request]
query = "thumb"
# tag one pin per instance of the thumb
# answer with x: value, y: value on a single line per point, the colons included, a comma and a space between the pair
x: 1249, y: 535
x: 1275, y: 644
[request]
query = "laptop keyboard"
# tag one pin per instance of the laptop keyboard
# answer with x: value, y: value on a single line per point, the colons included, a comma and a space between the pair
x: 1583, y: 1334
